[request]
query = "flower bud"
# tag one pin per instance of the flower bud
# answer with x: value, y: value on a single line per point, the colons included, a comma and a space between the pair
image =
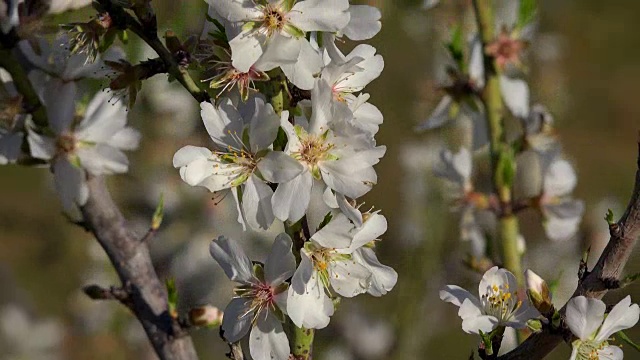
x: 538, y: 292
x: 206, y: 315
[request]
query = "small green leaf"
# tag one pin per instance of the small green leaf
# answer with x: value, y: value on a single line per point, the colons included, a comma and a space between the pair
x: 123, y: 36
x: 506, y: 168
x: 626, y: 339
x: 156, y: 221
x: 456, y: 46
x: 527, y: 12
x: 609, y: 217
x: 172, y: 296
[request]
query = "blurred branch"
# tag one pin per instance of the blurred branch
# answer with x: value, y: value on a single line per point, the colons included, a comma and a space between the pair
x: 132, y: 261
x: 595, y: 283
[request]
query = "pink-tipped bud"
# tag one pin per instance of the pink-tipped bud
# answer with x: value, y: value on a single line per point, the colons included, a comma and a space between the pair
x: 206, y: 315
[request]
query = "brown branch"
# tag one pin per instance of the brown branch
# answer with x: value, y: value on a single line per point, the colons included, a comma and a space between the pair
x: 130, y: 257
x: 594, y: 284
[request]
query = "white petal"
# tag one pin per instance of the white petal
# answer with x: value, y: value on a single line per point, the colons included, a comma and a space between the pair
x: 10, y: 147
x: 235, y: 10
x: 584, y: 316
x: 476, y: 62
x: 70, y: 183
x: 515, y: 93
x: 456, y: 295
x: 383, y: 278
x: 560, y: 179
x: 438, y: 117
x: 188, y: 154
x: 267, y: 340
x: 349, y: 278
x: 233, y: 260
x: 364, y: 22
x: 256, y: 203
x: 236, y: 321
x: 291, y: 199
x: 623, y: 316
x: 280, y: 50
x: 320, y: 15
x: 278, y: 167
x: 321, y: 109
x: 371, y: 67
x: 246, y: 49
x: 102, y: 119
x: 352, y: 213
x: 336, y: 234
x: 307, y: 304
x: 610, y: 353
x: 264, y: 126
x: 126, y: 139
x: 375, y: 226
x: 496, y: 277
x: 42, y: 147
x: 103, y: 159
x: 224, y: 124
x: 59, y: 98
x: 280, y: 264
x: 473, y: 320
x: 309, y: 63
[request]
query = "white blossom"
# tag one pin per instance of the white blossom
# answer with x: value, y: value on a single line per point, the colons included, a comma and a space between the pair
x: 497, y: 305
x: 344, y: 164
x: 335, y: 259
x: 276, y: 31
x: 562, y: 213
x: 586, y: 319
x: 94, y: 143
x: 244, y: 166
x: 58, y: 6
x: 260, y: 299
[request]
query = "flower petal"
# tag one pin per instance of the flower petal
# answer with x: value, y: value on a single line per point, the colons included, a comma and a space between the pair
x: 307, y: 304
x: 236, y: 321
x: 278, y: 167
x: 623, y: 316
x: 103, y: 159
x: 256, y: 203
x: 584, y: 316
x: 233, y: 260
x: 280, y: 264
x: 456, y: 295
x: 267, y: 340
x: 291, y: 199
x: 383, y: 278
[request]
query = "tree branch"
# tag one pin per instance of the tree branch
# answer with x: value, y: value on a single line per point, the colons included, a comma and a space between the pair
x: 130, y: 257
x: 594, y: 284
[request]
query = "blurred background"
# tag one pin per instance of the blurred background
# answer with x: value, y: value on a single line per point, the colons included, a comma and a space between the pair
x: 583, y: 65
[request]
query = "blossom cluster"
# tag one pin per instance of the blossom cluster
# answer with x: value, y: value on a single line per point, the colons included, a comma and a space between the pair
x: 305, y: 162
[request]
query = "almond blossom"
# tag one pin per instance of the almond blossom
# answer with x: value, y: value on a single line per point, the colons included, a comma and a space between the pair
x: 277, y: 29
x: 344, y: 164
x: 562, y: 213
x: 242, y: 164
x: 92, y: 143
x: 586, y: 319
x: 335, y: 259
x: 498, y: 303
x: 260, y: 299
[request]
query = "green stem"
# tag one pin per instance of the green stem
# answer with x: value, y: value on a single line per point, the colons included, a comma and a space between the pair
x: 492, y: 99
x: 302, y: 343
x: 21, y: 81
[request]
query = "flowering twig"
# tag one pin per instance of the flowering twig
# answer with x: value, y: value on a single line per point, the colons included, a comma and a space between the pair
x: 593, y: 284
x: 126, y: 20
x: 501, y: 153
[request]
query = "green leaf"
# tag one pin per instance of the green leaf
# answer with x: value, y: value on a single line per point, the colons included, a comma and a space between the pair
x: 609, y: 217
x: 456, y: 46
x: 172, y: 296
x: 626, y: 339
x: 123, y: 36
x: 156, y: 221
x: 108, y: 39
x: 527, y: 12
x: 506, y: 168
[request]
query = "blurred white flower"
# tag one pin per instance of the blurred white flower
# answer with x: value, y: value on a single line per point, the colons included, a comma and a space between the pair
x: 585, y: 317
x: 94, y: 143
x: 29, y: 338
x: 562, y: 213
